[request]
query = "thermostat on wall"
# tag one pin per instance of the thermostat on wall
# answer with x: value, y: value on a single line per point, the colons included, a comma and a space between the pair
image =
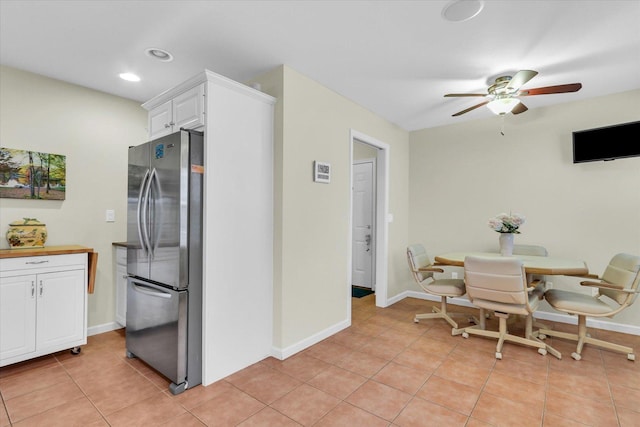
x: 321, y: 172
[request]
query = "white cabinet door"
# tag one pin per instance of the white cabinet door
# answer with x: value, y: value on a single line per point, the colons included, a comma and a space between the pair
x: 184, y: 111
x: 17, y: 315
x: 160, y: 119
x: 188, y: 109
x: 60, y: 308
x: 121, y: 294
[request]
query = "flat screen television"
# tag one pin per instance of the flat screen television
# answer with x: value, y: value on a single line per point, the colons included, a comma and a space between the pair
x: 607, y: 143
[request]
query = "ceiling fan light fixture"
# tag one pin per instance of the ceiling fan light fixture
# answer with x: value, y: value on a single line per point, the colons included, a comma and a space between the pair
x: 462, y: 10
x: 500, y: 106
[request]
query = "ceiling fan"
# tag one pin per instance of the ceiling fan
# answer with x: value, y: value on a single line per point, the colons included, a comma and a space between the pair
x: 502, y: 95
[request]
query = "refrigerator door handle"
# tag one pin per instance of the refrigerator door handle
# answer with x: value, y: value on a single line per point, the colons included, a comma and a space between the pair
x: 140, y: 212
x: 148, y: 290
x: 154, y: 186
x: 145, y: 213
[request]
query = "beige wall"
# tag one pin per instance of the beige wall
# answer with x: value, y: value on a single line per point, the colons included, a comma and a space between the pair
x: 444, y: 185
x: 461, y: 175
x: 93, y: 130
x: 312, y: 220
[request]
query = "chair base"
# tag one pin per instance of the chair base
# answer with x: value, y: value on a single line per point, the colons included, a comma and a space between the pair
x: 441, y: 313
x: 582, y: 337
x: 530, y: 338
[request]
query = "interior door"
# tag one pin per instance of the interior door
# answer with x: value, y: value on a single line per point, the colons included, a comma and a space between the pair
x: 363, y: 244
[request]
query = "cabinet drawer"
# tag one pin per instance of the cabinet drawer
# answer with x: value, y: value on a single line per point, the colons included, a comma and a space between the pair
x: 39, y: 262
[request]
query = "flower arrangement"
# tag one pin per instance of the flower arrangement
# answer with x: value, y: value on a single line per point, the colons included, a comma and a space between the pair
x: 504, y: 223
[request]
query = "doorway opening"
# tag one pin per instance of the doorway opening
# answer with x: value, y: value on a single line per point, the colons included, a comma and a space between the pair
x: 369, y: 216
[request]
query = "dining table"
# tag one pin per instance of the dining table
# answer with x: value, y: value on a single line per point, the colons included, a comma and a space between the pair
x: 544, y: 265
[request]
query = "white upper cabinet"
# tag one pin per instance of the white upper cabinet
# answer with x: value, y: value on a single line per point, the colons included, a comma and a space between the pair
x: 186, y: 110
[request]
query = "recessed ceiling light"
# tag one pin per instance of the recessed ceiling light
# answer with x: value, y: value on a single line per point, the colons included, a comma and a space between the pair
x: 130, y: 77
x: 462, y: 10
x: 159, y: 54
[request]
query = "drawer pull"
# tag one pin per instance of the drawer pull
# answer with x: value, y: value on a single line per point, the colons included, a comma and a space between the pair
x: 36, y: 262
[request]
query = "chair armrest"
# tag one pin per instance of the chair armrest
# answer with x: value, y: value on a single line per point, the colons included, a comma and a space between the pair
x: 602, y: 285
x: 430, y: 268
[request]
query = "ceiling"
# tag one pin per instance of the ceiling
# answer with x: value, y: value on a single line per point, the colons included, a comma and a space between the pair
x: 396, y: 58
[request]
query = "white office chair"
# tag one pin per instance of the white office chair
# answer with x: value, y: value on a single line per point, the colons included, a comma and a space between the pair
x: 500, y: 285
x: 619, y: 284
x: 422, y: 270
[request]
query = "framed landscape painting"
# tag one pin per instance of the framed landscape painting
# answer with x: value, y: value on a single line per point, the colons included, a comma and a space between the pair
x: 32, y: 175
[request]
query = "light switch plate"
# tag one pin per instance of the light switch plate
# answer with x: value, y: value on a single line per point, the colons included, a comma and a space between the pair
x: 110, y: 215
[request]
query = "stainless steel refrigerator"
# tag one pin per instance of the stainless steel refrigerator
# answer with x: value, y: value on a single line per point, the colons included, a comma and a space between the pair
x: 164, y: 256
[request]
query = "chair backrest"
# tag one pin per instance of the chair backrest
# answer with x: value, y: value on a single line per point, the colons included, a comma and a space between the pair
x: 497, y: 283
x: 418, y: 257
x: 530, y: 250
x: 623, y: 270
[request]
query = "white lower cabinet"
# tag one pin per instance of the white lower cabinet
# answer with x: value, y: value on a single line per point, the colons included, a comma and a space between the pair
x: 43, y: 306
x: 121, y: 285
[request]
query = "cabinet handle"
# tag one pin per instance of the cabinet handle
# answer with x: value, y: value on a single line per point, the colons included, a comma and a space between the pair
x: 36, y: 262
x: 33, y: 288
x: 172, y: 123
x: 40, y: 287
x: 167, y: 126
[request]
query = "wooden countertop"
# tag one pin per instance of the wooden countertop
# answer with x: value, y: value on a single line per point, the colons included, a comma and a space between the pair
x: 58, y: 250
x: 47, y: 250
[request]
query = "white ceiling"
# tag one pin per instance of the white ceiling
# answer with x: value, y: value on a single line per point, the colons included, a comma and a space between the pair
x: 396, y: 58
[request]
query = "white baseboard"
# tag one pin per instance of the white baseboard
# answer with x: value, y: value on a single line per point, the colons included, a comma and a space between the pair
x: 543, y: 315
x: 105, y: 327
x: 283, y: 353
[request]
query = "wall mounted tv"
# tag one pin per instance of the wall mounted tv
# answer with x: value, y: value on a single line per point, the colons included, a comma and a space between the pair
x: 607, y: 143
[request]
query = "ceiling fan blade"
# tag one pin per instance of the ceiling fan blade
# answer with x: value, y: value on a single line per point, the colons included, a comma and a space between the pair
x: 520, y: 78
x: 465, y: 94
x: 459, y: 113
x: 572, y: 87
x: 520, y: 108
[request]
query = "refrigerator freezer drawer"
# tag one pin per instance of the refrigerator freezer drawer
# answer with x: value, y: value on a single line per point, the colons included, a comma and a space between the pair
x: 157, y: 327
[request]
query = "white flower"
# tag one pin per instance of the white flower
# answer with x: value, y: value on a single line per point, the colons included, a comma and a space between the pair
x: 504, y: 223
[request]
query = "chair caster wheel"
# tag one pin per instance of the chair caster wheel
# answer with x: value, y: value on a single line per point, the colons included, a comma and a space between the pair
x: 542, y: 336
x: 631, y: 356
x: 576, y: 356
x: 75, y: 351
x: 465, y: 335
x: 498, y: 355
x: 542, y: 351
x: 416, y: 320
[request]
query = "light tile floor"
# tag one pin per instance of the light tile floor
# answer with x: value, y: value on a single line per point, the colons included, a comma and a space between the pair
x: 384, y: 370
